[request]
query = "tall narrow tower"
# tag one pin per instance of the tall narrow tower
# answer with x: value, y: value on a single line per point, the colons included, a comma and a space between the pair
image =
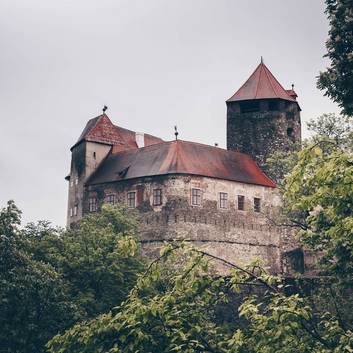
x: 263, y: 117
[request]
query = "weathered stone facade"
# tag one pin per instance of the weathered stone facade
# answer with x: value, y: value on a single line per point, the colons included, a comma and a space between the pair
x: 273, y: 125
x: 231, y: 234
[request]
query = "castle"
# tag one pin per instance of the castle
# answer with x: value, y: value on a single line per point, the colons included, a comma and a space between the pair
x: 219, y: 200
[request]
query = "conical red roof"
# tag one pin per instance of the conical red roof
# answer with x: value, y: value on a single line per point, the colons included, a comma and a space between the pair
x: 261, y: 85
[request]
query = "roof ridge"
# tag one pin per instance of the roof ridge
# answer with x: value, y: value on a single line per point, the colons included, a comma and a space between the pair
x: 277, y: 82
x: 269, y: 79
x: 261, y: 65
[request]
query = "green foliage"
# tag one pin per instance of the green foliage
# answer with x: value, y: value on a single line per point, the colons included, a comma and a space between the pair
x: 172, y: 309
x: 319, y: 198
x: 338, y: 130
x: 33, y: 297
x: 51, y: 279
x: 337, y: 80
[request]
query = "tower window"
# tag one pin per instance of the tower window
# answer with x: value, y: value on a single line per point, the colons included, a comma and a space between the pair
x: 92, y: 204
x: 157, y: 197
x: 131, y: 199
x: 241, y: 202
x: 94, y: 155
x: 195, y: 197
x: 257, y: 204
x: 223, y: 200
x: 110, y: 199
x: 71, y: 212
x: 75, y: 210
x: 290, y: 132
x: 249, y: 106
x: 76, y: 180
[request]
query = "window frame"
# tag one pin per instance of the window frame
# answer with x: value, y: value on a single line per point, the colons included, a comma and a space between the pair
x: 241, y: 202
x: 223, y: 200
x: 157, y: 197
x: 128, y: 199
x: 110, y: 198
x: 92, y: 204
x: 196, y: 197
x: 257, y: 204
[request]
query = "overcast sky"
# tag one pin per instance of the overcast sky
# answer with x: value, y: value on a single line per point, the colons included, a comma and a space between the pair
x: 155, y: 63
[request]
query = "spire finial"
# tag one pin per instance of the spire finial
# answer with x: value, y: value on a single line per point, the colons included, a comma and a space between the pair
x: 176, y: 133
x: 262, y: 60
x: 292, y: 86
x: 104, y: 109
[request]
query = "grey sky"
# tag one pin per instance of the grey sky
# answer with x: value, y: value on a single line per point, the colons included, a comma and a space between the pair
x: 155, y: 63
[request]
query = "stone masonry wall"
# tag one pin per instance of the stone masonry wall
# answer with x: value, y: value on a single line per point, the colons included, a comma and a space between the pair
x: 262, y: 132
x: 234, y: 235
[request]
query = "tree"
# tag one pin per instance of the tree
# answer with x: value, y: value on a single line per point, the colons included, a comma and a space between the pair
x: 33, y: 297
x: 337, y: 80
x: 51, y: 279
x: 173, y: 306
x: 99, y: 260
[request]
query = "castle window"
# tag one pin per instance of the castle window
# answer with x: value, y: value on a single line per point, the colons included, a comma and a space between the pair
x: 195, y: 197
x: 71, y: 182
x: 76, y: 180
x: 131, y: 199
x: 75, y: 210
x: 290, y: 132
x: 157, y: 197
x: 241, y: 202
x: 92, y: 204
x: 94, y: 155
x: 257, y: 204
x: 110, y: 199
x: 71, y: 212
x: 249, y: 106
x: 223, y: 200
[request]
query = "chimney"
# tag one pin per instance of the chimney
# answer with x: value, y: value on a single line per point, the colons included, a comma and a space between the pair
x: 140, y: 139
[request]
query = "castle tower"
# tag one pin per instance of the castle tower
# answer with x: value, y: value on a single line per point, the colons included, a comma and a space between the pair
x: 263, y: 117
x: 88, y: 152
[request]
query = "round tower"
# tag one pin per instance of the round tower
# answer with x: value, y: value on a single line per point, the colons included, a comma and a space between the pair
x: 263, y: 117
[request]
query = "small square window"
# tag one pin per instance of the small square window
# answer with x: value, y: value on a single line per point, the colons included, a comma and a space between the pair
x: 195, y: 197
x: 75, y: 210
x: 241, y: 202
x: 110, y: 199
x: 257, y: 204
x: 131, y: 199
x: 157, y: 197
x: 92, y: 204
x: 223, y: 200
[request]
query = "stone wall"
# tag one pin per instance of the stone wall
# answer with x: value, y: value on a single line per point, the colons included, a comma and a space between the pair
x: 262, y: 132
x: 234, y: 235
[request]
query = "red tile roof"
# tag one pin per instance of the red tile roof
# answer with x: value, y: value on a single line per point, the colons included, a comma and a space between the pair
x: 101, y: 129
x: 261, y: 85
x: 180, y: 157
